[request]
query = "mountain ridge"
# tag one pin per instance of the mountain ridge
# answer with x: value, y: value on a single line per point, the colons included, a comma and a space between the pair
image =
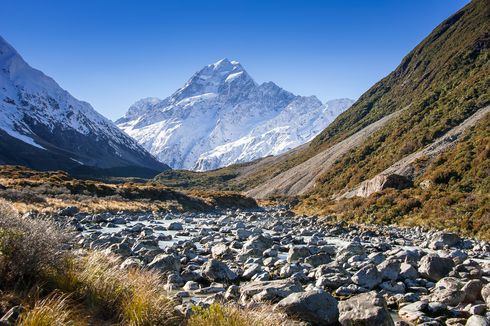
x: 222, y: 116
x: 48, y: 128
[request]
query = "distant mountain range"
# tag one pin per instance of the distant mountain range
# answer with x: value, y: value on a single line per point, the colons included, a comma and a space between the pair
x: 43, y: 127
x: 222, y: 116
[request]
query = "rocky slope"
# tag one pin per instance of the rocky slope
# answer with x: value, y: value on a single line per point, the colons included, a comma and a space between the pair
x: 221, y: 116
x: 42, y: 126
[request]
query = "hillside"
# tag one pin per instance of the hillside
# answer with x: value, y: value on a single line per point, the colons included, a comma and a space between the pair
x: 441, y: 82
x: 438, y: 88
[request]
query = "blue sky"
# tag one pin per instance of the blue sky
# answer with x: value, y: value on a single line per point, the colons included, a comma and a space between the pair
x: 114, y: 52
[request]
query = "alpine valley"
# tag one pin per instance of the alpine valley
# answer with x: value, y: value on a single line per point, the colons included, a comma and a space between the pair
x: 222, y: 116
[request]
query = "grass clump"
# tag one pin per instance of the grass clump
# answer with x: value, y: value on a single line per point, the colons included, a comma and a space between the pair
x: 55, y: 310
x: 233, y: 315
x: 134, y: 297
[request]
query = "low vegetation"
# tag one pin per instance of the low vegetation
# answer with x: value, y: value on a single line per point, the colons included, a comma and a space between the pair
x: 31, y: 190
x: 62, y: 286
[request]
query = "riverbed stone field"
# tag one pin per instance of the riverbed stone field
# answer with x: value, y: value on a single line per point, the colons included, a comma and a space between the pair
x: 316, y: 271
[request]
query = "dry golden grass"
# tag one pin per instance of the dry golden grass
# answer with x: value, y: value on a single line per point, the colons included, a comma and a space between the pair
x: 233, y: 315
x: 134, y: 297
x: 55, y: 310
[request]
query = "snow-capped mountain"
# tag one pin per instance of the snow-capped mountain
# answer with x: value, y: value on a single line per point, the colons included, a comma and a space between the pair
x: 42, y: 126
x: 222, y: 116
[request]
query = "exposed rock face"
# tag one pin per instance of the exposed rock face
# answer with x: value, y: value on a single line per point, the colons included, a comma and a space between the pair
x: 316, y: 307
x: 367, y: 309
x: 378, y: 183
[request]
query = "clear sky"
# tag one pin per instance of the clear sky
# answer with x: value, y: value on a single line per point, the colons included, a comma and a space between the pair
x: 114, y: 52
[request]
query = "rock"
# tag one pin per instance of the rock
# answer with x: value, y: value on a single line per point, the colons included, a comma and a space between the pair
x: 331, y: 277
x: 255, y: 246
x: 165, y: 263
x: 389, y: 269
x: 296, y: 253
x: 476, y: 320
x: 448, y: 291
x: 435, y: 267
x: 478, y: 309
x: 444, y: 239
x: 472, y: 290
x: 367, y: 309
x: 220, y: 250
x: 318, y: 259
x: 485, y: 293
x: 191, y: 286
x: 131, y: 263
x: 367, y: 277
x: 251, y: 270
x: 232, y: 292
x: 175, y: 226
x: 316, y: 307
x: 217, y: 271
x: 413, y: 312
x: 407, y: 271
x: 352, y: 249
x: 390, y: 286
x: 272, y: 291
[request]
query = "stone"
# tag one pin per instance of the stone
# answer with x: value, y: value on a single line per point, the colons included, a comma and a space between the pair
x: 367, y: 277
x: 413, y: 312
x: 296, y: 253
x: 191, y: 286
x: 393, y: 287
x: 472, y: 290
x: 407, y: 272
x: 367, y: 309
x: 316, y: 307
x: 272, y: 291
x: 165, y: 263
x: 485, y: 293
x: 444, y: 239
x: 68, y: 211
x: 389, y: 269
x: 352, y: 249
x: 220, y: 250
x: 435, y: 267
x: 256, y: 245
x: 318, y: 259
x: 217, y: 271
x: 448, y: 291
x: 175, y: 226
x: 251, y: 270
x: 476, y: 320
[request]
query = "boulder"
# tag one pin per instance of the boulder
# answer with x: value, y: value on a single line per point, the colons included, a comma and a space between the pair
x: 444, y: 239
x: 413, y: 312
x: 367, y: 309
x: 435, y: 267
x: 476, y: 320
x: 217, y: 271
x: 316, y: 307
x: 175, y: 226
x: 272, y: 291
x: 220, y: 250
x: 296, y: 253
x: 165, y: 263
x: 255, y: 246
x: 367, y: 277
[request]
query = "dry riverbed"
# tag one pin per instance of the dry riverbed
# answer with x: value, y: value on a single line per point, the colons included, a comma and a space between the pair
x: 318, y: 273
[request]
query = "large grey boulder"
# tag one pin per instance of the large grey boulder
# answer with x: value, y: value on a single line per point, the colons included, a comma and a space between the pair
x: 367, y: 309
x: 296, y: 253
x: 476, y: 320
x: 217, y: 271
x: 444, y: 239
x: 348, y: 251
x: 256, y: 246
x: 485, y: 293
x: 316, y: 307
x: 367, y: 277
x: 435, y: 267
x: 448, y: 291
x: 220, y: 250
x: 165, y: 263
x: 272, y: 291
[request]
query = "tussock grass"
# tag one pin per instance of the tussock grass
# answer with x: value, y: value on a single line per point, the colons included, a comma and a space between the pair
x: 55, y: 310
x: 135, y: 297
x: 233, y: 315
